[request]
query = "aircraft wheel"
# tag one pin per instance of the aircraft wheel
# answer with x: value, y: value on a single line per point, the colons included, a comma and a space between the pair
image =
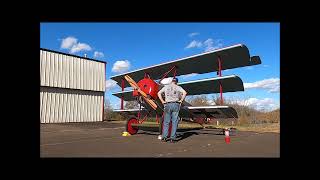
x: 130, y: 129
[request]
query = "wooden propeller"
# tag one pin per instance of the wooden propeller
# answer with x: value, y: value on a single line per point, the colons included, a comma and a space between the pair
x: 143, y: 94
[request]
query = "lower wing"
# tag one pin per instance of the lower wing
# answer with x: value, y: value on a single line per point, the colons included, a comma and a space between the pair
x: 221, y: 112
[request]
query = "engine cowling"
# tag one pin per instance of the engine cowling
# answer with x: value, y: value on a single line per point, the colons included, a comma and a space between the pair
x: 148, y: 86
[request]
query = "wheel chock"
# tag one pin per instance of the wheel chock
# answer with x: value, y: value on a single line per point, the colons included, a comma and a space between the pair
x: 126, y: 133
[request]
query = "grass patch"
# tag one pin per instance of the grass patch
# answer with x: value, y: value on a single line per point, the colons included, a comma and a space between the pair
x: 267, y: 127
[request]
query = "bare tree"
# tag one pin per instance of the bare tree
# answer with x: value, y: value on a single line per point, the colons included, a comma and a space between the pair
x: 131, y: 105
x: 201, y: 100
x: 107, y: 110
x: 107, y: 104
x: 110, y: 115
x: 216, y: 99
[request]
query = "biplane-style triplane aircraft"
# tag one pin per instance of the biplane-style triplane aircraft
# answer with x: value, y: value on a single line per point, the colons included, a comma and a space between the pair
x: 146, y: 83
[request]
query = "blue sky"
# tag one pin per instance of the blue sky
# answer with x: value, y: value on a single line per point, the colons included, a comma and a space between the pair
x: 146, y: 44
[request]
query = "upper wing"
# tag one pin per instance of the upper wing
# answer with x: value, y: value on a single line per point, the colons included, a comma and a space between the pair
x: 231, y: 57
x: 230, y: 83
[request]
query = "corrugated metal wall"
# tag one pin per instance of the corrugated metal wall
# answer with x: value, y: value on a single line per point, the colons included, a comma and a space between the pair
x: 71, y: 88
x: 59, y: 105
x: 59, y: 70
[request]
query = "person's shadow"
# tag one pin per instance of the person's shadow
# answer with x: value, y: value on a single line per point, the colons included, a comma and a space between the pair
x: 184, y: 135
x: 181, y: 133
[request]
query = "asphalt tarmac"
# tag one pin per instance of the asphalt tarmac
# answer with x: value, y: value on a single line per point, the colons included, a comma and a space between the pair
x: 104, y: 139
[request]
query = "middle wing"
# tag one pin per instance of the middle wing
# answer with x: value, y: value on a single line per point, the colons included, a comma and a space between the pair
x: 230, y: 83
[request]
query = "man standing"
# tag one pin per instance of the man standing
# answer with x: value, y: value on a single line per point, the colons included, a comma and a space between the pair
x: 172, y: 105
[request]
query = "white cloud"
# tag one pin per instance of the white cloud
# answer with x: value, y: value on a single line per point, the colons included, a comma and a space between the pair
x: 275, y: 90
x: 110, y: 84
x: 210, y: 44
x: 193, y: 34
x: 98, y: 54
x: 266, y: 104
x: 121, y: 66
x: 80, y: 47
x: 193, y: 44
x: 72, y: 44
x: 188, y: 75
x: 116, y: 105
x: 68, y: 42
x: 272, y: 85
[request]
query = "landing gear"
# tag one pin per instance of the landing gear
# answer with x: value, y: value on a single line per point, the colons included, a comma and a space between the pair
x: 130, y: 129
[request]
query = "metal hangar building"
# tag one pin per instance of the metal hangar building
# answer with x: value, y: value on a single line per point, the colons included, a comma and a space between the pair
x: 72, y: 88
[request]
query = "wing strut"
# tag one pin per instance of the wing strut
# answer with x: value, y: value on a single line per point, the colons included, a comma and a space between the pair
x: 174, y: 73
x: 220, y: 65
x: 122, y: 88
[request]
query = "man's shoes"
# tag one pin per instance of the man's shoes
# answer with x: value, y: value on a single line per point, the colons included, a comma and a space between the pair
x: 169, y: 139
x: 173, y: 140
x: 164, y: 139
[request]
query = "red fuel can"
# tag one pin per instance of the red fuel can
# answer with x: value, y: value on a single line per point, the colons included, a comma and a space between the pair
x: 227, y: 136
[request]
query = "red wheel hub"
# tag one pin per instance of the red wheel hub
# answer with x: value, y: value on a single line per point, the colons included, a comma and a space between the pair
x: 130, y: 129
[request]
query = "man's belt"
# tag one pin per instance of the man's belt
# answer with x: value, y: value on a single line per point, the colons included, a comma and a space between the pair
x: 171, y: 102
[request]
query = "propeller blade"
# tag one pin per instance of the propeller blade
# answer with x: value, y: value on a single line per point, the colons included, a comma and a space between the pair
x: 143, y: 94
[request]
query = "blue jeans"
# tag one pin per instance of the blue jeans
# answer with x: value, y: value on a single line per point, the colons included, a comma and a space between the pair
x: 171, y: 112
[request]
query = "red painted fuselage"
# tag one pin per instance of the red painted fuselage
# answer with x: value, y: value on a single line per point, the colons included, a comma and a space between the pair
x: 148, y: 86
